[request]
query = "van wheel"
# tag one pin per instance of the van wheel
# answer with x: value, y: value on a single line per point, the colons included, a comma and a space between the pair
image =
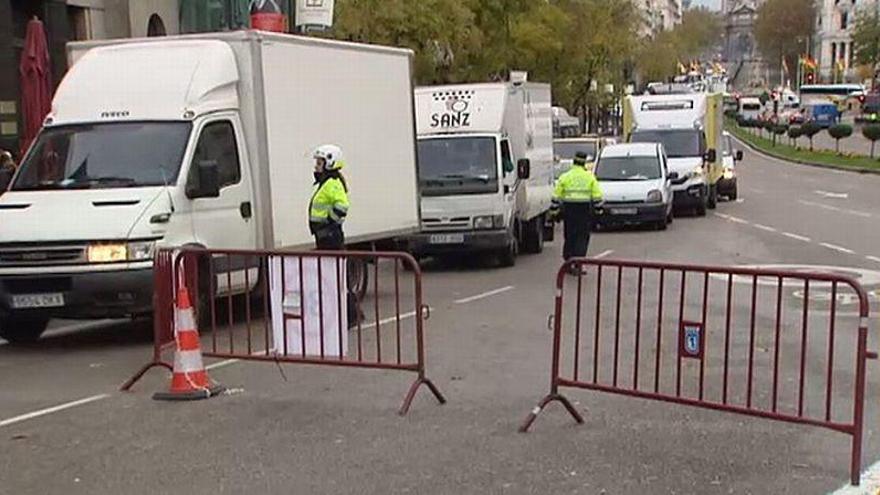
x: 534, y: 235
x: 22, y: 330
x: 549, y: 231
x: 701, y: 210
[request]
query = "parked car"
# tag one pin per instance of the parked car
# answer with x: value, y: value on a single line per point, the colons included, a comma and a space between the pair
x: 637, y: 185
x: 727, y: 184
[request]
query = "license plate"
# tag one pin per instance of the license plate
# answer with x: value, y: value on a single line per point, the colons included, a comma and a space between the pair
x: 38, y: 301
x: 447, y: 238
x: 624, y: 211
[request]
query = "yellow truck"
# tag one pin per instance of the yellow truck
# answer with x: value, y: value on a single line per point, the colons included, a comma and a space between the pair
x: 689, y: 127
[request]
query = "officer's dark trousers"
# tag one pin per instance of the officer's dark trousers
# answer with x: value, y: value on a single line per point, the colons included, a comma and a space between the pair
x: 578, y: 222
x: 331, y: 238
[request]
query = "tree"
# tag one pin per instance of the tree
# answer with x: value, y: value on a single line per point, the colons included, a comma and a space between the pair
x: 810, y: 129
x: 658, y: 58
x: 866, y: 39
x: 871, y: 133
x: 777, y: 130
x: 782, y: 27
x: 838, y: 132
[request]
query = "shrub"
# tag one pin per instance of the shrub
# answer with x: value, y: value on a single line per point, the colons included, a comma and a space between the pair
x: 871, y: 133
x: 838, y: 132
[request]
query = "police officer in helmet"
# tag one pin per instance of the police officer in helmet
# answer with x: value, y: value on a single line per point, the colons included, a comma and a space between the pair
x: 577, y: 199
x: 329, y: 204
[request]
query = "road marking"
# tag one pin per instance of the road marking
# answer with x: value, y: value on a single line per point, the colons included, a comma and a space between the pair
x: 53, y: 409
x: 870, y: 483
x: 873, y: 258
x: 837, y: 248
x: 603, y: 254
x: 740, y: 200
x: 483, y: 295
x: 835, y: 208
x: 722, y: 215
x: 737, y: 219
x: 832, y: 194
x: 765, y: 227
x: 796, y: 237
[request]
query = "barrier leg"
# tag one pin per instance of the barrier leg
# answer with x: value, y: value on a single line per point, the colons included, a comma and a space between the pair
x: 141, y: 372
x: 412, y: 393
x: 533, y: 415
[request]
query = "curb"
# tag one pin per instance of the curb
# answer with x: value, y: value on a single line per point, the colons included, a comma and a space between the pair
x: 757, y: 151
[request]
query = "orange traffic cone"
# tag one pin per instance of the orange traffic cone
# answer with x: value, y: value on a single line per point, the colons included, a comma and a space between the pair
x: 189, y: 381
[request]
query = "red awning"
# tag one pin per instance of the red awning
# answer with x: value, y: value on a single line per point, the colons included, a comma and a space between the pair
x: 36, y: 82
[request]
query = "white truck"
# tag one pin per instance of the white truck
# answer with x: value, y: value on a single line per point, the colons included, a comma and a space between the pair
x: 485, y: 168
x: 204, y: 141
x: 689, y: 126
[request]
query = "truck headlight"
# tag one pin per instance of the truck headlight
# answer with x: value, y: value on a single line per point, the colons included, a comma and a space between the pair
x: 696, y: 172
x: 483, y: 223
x: 655, y: 196
x: 120, y: 252
x: 728, y: 173
x: 107, y: 253
x: 141, y: 250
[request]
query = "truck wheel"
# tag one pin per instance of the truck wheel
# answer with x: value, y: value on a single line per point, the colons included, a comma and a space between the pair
x: 357, y: 276
x: 549, y: 231
x: 712, y: 200
x: 701, y: 210
x: 733, y: 192
x: 22, y: 330
x: 507, y: 257
x: 534, y: 235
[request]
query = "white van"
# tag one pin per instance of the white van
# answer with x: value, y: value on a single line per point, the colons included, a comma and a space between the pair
x: 636, y: 185
x: 750, y: 108
x: 199, y: 140
x: 485, y: 169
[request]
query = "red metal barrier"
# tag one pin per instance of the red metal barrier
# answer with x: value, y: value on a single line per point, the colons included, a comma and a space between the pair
x: 290, y: 307
x: 728, y: 339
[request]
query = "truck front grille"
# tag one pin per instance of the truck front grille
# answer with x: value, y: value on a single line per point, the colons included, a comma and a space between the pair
x: 444, y: 224
x: 41, y: 254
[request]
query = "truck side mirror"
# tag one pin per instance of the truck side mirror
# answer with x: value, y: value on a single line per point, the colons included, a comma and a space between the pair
x: 523, y: 168
x: 738, y: 155
x: 207, y: 183
x: 711, y: 156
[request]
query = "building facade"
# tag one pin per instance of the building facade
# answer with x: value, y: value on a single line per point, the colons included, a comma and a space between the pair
x: 832, y: 44
x: 658, y: 15
x: 65, y: 21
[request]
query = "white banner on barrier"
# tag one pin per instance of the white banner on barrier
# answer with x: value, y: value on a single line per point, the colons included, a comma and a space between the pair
x: 286, y: 299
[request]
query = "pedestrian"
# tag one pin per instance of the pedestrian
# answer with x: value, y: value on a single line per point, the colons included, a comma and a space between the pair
x: 7, y: 170
x: 576, y: 201
x: 329, y: 204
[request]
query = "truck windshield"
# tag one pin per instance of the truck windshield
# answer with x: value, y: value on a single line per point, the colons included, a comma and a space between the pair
x: 101, y: 156
x: 461, y: 165
x: 678, y: 143
x: 628, y: 168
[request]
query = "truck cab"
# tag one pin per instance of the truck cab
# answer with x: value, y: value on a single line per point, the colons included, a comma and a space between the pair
x: 485, y: 169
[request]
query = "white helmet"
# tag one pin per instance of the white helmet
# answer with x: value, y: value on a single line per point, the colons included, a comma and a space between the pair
x: 332, y: 156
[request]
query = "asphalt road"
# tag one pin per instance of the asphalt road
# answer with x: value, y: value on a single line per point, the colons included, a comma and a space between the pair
x: 328, y: 430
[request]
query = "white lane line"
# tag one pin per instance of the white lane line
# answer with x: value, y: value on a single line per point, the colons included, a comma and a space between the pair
x: 737, y: 219
x: 870, y: 483
x: 603, y: 254
x: 837, y: 209
x: 796, y: 237
x: 384, y: 321
x: 483, y: 295
x: 836, y: 248
x: 740, y: 200
x: 54, y: 409
x: 873, y: 258
x: 832, y: 194
x: 764, y: 227
x: 722, y: 215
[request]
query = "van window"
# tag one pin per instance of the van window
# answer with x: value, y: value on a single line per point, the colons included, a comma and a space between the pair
x: 506, y: 160
x: 217, y: 144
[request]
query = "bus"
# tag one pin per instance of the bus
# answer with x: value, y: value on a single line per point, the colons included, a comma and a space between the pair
x: 837, y: 93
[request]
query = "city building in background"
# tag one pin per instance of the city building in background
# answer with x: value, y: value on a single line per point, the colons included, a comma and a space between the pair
x: 659, y: 15
x: 745, y: 64
x: 832, y: 44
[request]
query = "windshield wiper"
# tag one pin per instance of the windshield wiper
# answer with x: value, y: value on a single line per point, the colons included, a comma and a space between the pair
x: 87, y: 182
x: 481, y: 177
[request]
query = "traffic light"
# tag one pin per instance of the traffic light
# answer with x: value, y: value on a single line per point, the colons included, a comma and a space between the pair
x: 810, y: 77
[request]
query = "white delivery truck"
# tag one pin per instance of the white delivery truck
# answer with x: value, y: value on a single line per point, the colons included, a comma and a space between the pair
x: 689, y: 127
x: 485, y: 168
x: 200, y: 140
